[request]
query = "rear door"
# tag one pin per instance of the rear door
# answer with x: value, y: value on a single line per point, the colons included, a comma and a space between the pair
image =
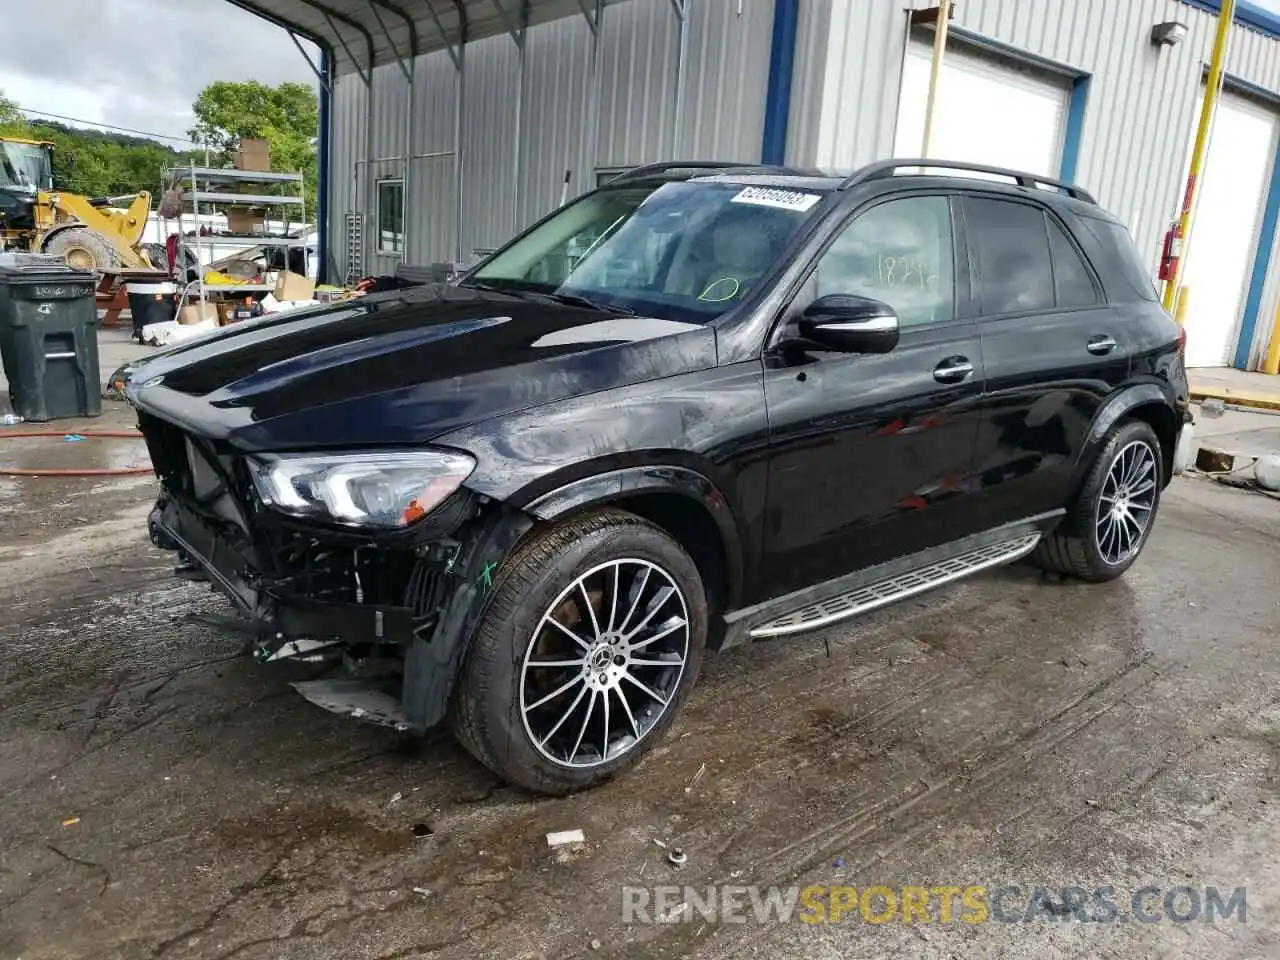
x: 1053, y: 352
x: 870, y: 454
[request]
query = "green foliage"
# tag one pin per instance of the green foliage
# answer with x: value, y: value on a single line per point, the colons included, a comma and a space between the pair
x: 101, y: 164
x: 285, y: 116
x: 94, y: 162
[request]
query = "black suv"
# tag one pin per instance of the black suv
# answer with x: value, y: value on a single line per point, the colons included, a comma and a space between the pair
x: 702, y: 404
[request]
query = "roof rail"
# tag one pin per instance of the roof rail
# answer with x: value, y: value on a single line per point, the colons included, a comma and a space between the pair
x: 668, y: 166
x: 886, y: 168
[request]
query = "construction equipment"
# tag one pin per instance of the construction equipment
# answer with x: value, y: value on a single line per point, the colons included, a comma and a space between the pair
x: 86, y: 232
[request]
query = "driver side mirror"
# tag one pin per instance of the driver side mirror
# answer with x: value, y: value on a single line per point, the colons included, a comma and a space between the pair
x: 850, y: 324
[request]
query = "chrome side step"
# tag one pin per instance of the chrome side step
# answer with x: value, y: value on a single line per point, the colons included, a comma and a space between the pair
x: 892, y: 589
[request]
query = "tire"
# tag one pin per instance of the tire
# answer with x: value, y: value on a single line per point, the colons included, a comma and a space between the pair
x: 508, y: 712
x: 83, y: 248
x: 1088, y: 544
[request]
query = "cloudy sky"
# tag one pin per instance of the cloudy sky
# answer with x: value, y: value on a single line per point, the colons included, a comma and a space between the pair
x: 136, y: 63
x: 140, y: 63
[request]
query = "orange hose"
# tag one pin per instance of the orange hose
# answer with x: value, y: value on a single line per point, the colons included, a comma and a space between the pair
x: 73, y: 472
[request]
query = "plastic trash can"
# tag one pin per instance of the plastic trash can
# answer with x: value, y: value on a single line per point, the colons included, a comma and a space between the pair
x: 49, y: 338
x: 151, y: 303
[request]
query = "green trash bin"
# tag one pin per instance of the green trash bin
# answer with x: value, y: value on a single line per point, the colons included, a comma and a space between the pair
x: 49, y: 338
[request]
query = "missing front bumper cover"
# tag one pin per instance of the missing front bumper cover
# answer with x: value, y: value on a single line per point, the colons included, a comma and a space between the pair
x: 279, y: 617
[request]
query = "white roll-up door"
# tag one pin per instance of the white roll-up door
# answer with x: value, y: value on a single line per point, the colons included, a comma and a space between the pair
x: 1224, y: 234
x: 988, y: 111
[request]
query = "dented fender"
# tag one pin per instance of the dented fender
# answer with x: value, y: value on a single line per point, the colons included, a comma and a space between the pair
x: 432, y: 665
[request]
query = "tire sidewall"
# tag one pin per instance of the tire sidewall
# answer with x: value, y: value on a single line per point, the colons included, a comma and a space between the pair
x: 500, y: 710
x: 1123, y: 435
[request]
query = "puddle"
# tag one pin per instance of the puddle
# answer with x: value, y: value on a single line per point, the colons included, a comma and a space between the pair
x: 55, y: 453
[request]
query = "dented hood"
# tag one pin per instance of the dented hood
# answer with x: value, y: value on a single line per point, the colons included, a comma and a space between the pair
x: 403, y: 367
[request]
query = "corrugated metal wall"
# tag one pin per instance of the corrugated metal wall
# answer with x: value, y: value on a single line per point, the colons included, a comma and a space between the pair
x: 575, y: 113
x: 1142, y: 100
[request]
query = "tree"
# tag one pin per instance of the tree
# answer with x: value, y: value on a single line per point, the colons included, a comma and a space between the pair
x: 286, y: 116
x: 12, y: 120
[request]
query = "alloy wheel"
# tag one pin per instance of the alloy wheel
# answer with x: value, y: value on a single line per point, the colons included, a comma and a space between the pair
x: 604, y: 663
x: 1126, y: 502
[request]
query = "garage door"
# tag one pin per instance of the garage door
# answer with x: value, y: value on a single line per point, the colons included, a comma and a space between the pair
x: 987, y: 112
x: 1225, y: 232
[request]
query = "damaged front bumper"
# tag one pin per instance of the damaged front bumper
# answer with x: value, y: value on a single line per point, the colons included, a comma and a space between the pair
x: 281, y: 618
x: 406, y: 654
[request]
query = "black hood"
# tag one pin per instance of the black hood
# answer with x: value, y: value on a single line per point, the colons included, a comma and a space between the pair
x: 404, y: 367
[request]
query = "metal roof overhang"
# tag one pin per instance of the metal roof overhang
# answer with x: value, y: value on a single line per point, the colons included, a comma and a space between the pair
x: 357, y: 33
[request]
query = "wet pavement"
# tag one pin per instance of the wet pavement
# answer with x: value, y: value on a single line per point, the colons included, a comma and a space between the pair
x: 163, y: 796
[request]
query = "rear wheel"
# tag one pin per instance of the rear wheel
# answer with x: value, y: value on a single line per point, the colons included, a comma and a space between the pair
x: 593, y: 637
x: 1107, y: 526
x: 83, y: 249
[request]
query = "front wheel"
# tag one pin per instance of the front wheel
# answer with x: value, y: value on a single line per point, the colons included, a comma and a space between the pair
x: 593, y: 637
x: 1108, y: 525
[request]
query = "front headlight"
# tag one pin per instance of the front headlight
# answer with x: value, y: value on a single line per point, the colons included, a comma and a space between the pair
x: 387, y: 490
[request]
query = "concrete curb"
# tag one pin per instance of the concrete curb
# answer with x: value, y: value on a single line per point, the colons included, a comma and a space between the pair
x: 1258, y: 399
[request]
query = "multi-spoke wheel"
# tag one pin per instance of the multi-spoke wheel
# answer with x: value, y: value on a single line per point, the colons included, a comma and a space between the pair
x: 604, y: 662
x: 594, y: 634
x: 1125, y: 504
x: 1107, y: 525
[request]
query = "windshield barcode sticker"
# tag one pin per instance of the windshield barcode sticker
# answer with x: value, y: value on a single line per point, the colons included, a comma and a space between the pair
x: 772, y: 197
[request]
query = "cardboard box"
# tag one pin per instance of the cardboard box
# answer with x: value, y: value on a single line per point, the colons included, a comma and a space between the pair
x: 253, y: 155
x: 293, y: 286
x: 195, y: 312
x: 241, y: 220
x: 227, y: 312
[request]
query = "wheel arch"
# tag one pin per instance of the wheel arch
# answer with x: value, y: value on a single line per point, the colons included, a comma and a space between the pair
x: 680, y: 500
x: 1147, y: 402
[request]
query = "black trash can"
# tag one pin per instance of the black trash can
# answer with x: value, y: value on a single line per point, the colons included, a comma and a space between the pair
x: 151, y: 303
x: 49, y: 338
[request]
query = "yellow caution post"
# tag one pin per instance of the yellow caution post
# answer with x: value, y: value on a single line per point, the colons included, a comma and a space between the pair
x: 1213, y: 87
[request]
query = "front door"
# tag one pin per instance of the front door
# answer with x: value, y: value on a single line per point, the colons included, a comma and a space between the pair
x: 871, y: 454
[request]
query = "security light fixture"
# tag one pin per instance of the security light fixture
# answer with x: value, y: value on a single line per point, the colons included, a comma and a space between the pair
x: 1168, y: 34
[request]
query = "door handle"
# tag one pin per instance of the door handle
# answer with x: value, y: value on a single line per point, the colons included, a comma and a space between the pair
x: 1101, y: 344
x: 952, y: 370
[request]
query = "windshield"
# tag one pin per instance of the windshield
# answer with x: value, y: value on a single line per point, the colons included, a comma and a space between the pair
x: 26, y: 165
x: 682, y: 251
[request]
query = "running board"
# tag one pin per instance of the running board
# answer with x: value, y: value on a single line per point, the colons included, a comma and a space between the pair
x: 892, y: 589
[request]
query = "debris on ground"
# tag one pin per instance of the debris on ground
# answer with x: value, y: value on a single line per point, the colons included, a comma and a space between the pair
x: 839, y: 863
x: 422, y: 831
x: 422, y: 892
x: 70, y: 821
x: 677, y: 857
x: 561, y: 838
x: 395, y: 798
x: 596, y: 944
x: 696, y: 777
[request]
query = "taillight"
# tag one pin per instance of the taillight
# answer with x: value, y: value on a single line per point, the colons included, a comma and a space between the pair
x: 1182, y: 340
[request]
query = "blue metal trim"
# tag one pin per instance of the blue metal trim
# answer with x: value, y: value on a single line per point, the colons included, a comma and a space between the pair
x: 1261, y: 261
x: 1074, y: 131
x: 777, y: 103
x: 1264, y: 21
x: 322, y: 169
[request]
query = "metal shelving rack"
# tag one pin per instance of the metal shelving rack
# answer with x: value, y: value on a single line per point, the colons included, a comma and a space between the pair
x: 201, y: 188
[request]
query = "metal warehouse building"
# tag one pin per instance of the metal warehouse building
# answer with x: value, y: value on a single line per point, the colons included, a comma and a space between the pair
x: 448, y: 125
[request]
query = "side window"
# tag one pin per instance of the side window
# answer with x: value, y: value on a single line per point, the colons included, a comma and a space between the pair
x: 1071, y: 281
x: 1009, y: 242
x: 899, y: 252
x: 390, y: 216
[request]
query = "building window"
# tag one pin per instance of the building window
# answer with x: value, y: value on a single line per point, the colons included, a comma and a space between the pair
x: 390, y: 216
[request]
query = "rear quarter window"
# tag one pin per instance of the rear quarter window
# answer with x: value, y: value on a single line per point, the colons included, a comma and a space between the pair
x: 1115, y: 243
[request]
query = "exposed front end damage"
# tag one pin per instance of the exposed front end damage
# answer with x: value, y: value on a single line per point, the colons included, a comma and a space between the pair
x: 394, y: 611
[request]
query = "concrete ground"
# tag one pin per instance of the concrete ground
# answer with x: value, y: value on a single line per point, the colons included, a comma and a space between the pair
x: 162, y: 796
x: 1247, y: 388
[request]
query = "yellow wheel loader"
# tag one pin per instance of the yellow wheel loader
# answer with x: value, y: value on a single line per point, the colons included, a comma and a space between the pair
x: 36, y: 218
